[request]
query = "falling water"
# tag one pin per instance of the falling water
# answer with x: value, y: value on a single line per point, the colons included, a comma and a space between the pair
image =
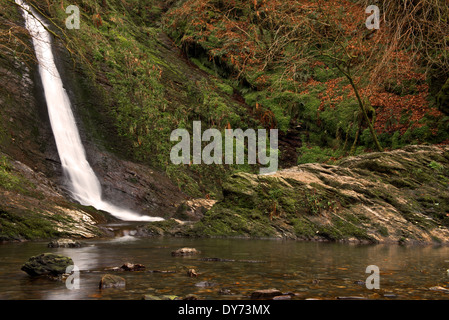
x: 85, y: 186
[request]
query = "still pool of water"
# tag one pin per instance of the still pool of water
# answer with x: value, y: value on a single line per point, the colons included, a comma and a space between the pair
x: 307, y: 269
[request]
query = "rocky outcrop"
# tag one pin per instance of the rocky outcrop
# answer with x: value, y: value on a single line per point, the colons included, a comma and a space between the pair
x: 47, y: 264
x: 397, y: 196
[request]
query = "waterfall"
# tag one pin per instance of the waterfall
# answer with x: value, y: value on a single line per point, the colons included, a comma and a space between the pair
x: 85, y: 186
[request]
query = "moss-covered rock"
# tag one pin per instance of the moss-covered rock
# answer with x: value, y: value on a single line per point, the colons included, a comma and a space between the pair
x: 47, y: 264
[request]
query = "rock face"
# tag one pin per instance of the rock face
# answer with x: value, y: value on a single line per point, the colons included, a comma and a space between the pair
x: 47, y: 264
x: 397, y: 196
x: 112, y: 281
x: 65, y: 243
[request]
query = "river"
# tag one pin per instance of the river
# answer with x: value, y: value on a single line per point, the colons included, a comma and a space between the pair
x: 309, y: 270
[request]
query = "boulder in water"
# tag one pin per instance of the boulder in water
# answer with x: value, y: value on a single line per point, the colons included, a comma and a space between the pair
x: 192, y: 273
x: 112, y: 281
x: 47, y: 264
x: 185, y: 252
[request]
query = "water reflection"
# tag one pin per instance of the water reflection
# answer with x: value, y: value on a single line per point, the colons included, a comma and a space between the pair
x: 309, y: 270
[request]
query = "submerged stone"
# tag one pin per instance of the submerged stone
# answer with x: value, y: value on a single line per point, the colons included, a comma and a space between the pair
x: 133, y: 267
x: 112, y: 281
x: 204, y: 284
x: 163, y: 297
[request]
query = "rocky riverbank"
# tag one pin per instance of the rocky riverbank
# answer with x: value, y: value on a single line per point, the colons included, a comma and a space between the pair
x: 397, y: 196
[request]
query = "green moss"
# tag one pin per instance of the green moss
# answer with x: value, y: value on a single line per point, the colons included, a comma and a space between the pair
x: 11, y: 180
x: 323, y: 74
x: 303, y: 228
x: 317, y: 154
x: 341, y: 229
x: 221, y: 221
x: 383, y: 231
x: 28, y: 225
x: 160, y: 228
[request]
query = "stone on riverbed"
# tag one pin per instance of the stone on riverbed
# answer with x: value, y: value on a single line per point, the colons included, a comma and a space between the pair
x: 205, y: 284
x: 163, y: 297
x: 47, y: 264
x: 266, y: 294
x: 283, y: 297
x: 192, y: 273
x: 65, y: 243
x: 112, y: 281
x: 438, y: 288
x: 133, y: 267
x: 185, y: 252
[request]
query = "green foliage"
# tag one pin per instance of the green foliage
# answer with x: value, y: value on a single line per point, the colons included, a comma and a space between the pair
x: 317, y: 154
x: 323, y: 74
x: 436, y: 166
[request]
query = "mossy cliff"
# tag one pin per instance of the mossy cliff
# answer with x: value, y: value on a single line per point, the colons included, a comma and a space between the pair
x: 398, y: 196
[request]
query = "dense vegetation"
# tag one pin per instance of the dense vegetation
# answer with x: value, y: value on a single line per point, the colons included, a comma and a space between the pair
x: 308, y: 62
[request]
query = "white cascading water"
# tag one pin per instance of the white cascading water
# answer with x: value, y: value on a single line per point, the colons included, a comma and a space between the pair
x: 85, y: 185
